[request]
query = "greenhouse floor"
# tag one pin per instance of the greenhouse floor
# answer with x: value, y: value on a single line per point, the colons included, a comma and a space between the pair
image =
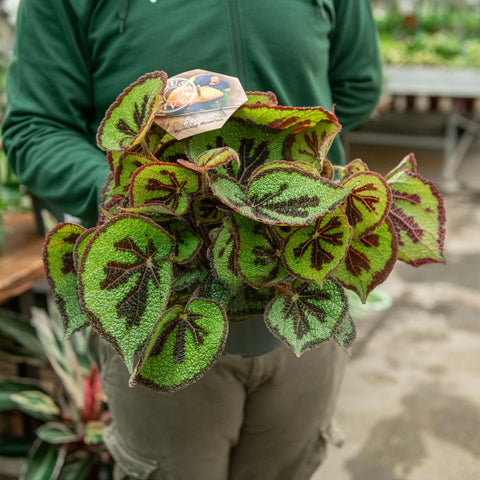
x: 410, y: 403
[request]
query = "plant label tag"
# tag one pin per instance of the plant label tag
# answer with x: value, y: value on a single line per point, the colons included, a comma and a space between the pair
x: 198, y: 101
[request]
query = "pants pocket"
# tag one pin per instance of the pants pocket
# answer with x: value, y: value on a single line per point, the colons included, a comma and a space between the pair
x: 128, y: 464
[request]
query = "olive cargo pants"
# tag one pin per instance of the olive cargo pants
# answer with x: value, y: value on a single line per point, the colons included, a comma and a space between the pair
x: 259, y: 418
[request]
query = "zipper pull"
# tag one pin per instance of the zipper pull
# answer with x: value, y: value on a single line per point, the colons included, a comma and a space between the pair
x: 322, y: 8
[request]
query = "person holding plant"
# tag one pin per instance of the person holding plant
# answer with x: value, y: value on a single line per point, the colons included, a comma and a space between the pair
x: 259, y: 413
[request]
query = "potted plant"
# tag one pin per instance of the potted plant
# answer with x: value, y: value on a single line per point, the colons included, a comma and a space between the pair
x: 246, y: 219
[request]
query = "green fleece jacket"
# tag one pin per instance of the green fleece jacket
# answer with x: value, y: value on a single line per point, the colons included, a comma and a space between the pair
x: 73, y: 57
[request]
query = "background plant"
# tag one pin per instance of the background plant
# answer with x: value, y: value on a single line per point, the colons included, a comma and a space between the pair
x: 70, y: 411
x: 232, y: 222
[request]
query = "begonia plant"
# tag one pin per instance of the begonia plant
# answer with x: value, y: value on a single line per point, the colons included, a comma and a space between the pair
x: 246, y: 219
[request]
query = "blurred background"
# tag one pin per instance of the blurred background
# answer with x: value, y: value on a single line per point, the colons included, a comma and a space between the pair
x: 410, y: 403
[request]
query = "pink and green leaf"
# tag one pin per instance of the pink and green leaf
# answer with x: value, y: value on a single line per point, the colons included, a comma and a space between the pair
x: 369, y: 260
x: 59, y: 263
x: 125, y: 277
x: 183, y: 345
x: 313, y: 252
x: 368, y: 202
x: 307, y: 315
x: 418, y: 215
x: 130, y: 117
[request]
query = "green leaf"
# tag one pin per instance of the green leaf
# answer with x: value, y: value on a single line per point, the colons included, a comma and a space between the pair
x: 307, y: 315
x: 185, y: 277
x: 308, y: 167
x: 369, y: 260
x: 164, y: 184
x: 222, y: 256
x: 206, y: 210
x: 291, y: 196
x: 312, y: 145
x: 187, y: 243
x: 313, y: 252
x: 79, y: 468
x: 418, y: 216
x: 265, y: 98
x: 94, y: 432
x: 368, y: 202
x: 212, y: 159
x: 408, y: 163
x: 11, y: 387
x: 56, y: 433
x: 346, y: 334
x: 247, y: 302
x: 44, y: 462
x: 184, y: 344
x: 80, y: 245
x: 21, y: 330
x: 129, y: 118
x: 62, y: 276
x: 355, y: 166
x: 127, y: 165
x: 36, y: 404
x: 259, y: 254
x: 125, y: 277
x: 214, y: 289
x: 170, y: 150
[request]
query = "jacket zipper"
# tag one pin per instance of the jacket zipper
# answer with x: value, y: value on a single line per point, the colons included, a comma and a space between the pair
x: 237, y: 40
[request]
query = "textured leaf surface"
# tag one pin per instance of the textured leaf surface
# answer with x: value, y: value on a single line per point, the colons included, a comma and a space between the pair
x: 418, y: 215
x: 266, y: 98
x: 368, y: 202
x: 292, y: 196
x: 163, y: 184
x: 125, y: 277
x: 60, y: 270
x: 129, y: 118
x: 346, y: 334
x: 222, y: 256
x: 312, y: 145
x: 369, y: 260
x: 407, y: 163
x: 355, y: 166
x: 184, y: 344
x: 248, y: 301
x: 308, y: 167
x: 127, y: 165
x: 313, y: 252
x: 205, y: 210
x: 187, y: 243
x: 212, y: 159
x: 259, y: 254
x: 308, y: 315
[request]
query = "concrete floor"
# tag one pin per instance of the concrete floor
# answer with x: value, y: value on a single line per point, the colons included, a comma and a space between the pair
x: 410, y: 403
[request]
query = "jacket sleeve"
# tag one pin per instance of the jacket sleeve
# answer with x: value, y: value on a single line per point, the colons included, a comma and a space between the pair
x: 355, y: 66
x: 45, y: 132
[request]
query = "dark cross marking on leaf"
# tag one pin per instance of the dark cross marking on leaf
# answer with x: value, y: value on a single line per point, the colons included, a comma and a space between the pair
x: 283, y: 123
x: 133, y: 305
x: 183, y: 322
x: 302, y: 302
x: 313, y: 146
x: 172, y: 193
x: 251, y: 158
x: 356, y: 261
x: 353, y: 213
x: 231, y: 264
x: 370, y: 240
x: 407, y: 223
x: 139, y: 118
x: 67, y: 258
x: 412, y: 198
x: 319, y: 255
x: 266, y: 255
x: 293, y: 207
x: 209, y: 211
